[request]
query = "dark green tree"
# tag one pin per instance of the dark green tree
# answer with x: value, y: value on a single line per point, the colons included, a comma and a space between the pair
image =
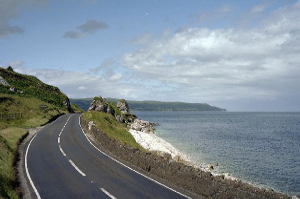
x: 10, y: 69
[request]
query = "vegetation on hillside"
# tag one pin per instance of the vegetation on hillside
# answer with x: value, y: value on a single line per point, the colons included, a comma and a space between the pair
x: 111, y: 127
x: 30, y: 86
x: 153, y: 105
x: 12, y: 131
x: 9, y: 139
x: 38, y: 104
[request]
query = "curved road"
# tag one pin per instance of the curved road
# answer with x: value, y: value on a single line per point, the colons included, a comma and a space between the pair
x: 60, y: 162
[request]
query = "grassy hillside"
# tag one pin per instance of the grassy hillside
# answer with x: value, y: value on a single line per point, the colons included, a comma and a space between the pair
x: 153, y: 105
x: 11, y: 131
x: 9, y: 139
x: 30, y: 86
x: 38, y: 104
x: 111, y: 127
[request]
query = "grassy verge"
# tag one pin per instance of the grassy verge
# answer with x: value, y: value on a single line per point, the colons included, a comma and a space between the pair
x: 32, y: 114
x: 9, y: 139
x: 12, y: 131
x: 112, y: 128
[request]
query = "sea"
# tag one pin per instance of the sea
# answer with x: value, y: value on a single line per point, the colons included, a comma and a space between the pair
x: 256, y: 147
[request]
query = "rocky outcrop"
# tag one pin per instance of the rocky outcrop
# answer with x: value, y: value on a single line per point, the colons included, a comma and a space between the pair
x: 98, y: 104
x: 121, y: 113
x: 68, y: 104
x: 3, y: 82
x: 143, y: 126
x: 122, y: 105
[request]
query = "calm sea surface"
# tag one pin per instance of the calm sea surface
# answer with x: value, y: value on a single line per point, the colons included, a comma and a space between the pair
x: 260, y: 148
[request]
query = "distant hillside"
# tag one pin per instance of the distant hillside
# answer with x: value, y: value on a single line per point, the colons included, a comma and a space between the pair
x: 14, y: 83
x: 153, y: 105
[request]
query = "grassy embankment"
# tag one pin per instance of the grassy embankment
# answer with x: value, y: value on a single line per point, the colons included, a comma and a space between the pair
x: 30, y: 94
x: 12, y: 131
x: 111, y: 127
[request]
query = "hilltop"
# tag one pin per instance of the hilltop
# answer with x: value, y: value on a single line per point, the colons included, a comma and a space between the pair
x: 153, y: 105
x: 14, y: 83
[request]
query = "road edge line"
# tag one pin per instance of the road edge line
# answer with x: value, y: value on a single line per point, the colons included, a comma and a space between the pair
x: 161, y: 184
x: 27, y: 172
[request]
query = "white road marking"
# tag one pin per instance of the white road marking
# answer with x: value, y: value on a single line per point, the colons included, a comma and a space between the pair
x: 62, y: 151
x: 79, y: 171
x: 129, y: 167
x: 27, y: 172
x: 108, y: 194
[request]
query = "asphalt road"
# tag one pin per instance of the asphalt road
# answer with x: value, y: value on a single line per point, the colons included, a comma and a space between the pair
x: 60, y: 162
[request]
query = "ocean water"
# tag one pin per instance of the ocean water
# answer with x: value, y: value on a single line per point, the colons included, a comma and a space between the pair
x: 259, y: 148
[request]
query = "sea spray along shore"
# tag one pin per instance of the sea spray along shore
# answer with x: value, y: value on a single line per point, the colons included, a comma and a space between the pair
x: 107, y: 129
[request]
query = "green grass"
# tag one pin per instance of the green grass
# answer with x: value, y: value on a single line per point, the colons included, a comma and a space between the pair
x: 32, y: 115
x: 32, y: 87
x: 12, y: 131
x: 9, y: 139
x: 111, y: 127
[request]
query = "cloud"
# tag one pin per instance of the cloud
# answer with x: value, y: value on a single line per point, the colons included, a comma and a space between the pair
x: 260, y: 63
x: 116, y: 76
x: 9, y: 9
x: 90, y: 85
x: 73, y: 34
x: 105, y: 65
x: 90, y: 27
x: 81, y: 88
x: 255, y: 13
x: 259, y: 8
x: 6, y: 30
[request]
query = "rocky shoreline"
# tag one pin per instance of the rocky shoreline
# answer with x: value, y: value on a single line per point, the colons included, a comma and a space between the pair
x: 162, y: 166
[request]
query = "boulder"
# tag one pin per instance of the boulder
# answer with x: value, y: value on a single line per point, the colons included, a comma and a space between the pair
x: 122, y: 105
x: 98, y: 104
x: 141, y: 125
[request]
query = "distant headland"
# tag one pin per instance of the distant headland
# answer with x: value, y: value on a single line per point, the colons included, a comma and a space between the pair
x: 84, y: 103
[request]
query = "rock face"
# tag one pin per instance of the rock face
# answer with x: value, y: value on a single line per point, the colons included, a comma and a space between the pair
x: 121, y: 113
x: 3, y: 82
x: 144, y: 126
x: 98, y: 104
x: 122, y: 105
x: 68, y: 104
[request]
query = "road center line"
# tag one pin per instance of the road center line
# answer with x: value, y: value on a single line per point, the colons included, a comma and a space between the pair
x: 62, y: 151
x: 79, y: 171
x: 107, y: 193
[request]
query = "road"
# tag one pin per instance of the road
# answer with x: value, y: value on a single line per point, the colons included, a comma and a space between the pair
x: 60, y: 162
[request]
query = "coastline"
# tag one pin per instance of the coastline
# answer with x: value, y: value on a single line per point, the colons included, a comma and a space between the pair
x: 178, y: 174
x: 153, y: 143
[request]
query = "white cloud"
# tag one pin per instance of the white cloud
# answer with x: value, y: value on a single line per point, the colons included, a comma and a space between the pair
x: 239, y: 64
x: 81, y: 88
x: 116, y: 76
x: 70, y: 82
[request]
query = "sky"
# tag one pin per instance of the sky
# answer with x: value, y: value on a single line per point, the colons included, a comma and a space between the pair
x: 238, y: 55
